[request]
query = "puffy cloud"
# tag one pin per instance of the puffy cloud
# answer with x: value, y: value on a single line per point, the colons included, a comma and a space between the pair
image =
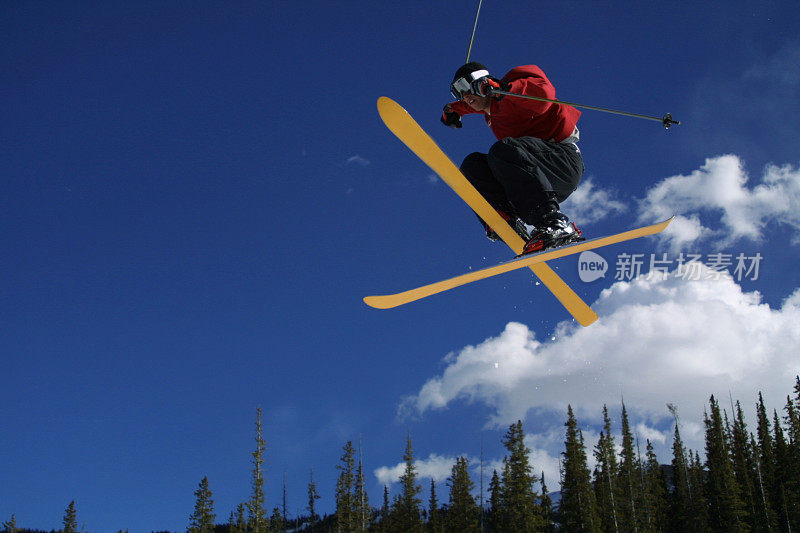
x: 436, y: 467
x: 589, y: 204
x: 651, y: 434
x: 544, y: 460
x: 439, y: 468
x: 720, y: 189
x: 660, y: 339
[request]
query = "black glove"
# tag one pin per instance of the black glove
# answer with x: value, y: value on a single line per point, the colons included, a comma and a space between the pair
x: 450, y: 118
x: 485, y: 86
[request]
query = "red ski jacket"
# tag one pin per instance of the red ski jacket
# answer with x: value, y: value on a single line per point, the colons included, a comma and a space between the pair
x: 510, y: 116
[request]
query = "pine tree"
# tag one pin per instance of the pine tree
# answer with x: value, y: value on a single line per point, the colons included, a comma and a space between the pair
x: 313, y: 496
x: 11, y: 525
x: 628, y: 484
x: 726, y: 510
x: 462, y: 512
x: 345, y: 502
x: 237, y: 522
x: 792, y: 465
x: 782, y: 473
x: 681, y: 505
x: 654, y: 501
x: 70, y: 519
x: 277, y: 522
x: 578, y: 509
x: 405, y: 514
x: 362, y: 510
x: 605, y: 475
x: 745, y: 471
x: 765, y: 514
x: 384, y: 523
x: 435, y: 522
x: 698, y: 511
x: 793, y: 431
x: 519, y: 497
x: 546, y: 507
x: 793, y: 413
x: 202, y: 520
x: 257, y: 521
x: 766, y: 460
x: 495, y: 518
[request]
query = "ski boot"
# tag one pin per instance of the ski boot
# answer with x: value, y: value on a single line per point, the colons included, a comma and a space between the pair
x: 514, y: 221
x: 554, y: 230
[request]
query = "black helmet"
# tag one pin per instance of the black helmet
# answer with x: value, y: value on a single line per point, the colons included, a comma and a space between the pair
x: 465, y: 75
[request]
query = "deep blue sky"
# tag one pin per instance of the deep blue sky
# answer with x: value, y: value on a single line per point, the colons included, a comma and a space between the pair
x: 187, y: 233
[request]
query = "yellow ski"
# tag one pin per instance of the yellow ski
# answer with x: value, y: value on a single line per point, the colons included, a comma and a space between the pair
x: 393, y: 300
x: 407, y: 130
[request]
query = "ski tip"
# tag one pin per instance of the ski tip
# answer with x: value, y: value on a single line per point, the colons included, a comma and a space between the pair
x: 386, y: 105
x: 658, y: 227
x: 384, y: 102
x: 377, y: 302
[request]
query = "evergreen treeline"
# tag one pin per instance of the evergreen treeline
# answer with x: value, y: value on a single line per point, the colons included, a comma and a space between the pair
x: 749, y: 481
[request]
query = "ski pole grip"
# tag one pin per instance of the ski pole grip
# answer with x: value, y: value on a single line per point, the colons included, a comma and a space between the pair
x: 667, y: 121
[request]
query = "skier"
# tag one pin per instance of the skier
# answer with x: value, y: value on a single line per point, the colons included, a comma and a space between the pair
x: 536, y: 163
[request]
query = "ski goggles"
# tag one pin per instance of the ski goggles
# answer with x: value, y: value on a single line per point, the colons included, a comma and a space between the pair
x: 463, y: 85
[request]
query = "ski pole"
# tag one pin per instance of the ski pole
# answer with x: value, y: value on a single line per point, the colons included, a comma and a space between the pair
x: 474, y: 27
x: 666, y: 120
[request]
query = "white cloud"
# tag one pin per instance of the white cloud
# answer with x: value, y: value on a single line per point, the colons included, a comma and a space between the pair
x: 545, y: 455
x: 683, y: 231
x: 439, y: 468
x: 542, y: 459
x: 588, y: 204
x: 720, y: 189
x: 659, y: 340
x: 357, y: 160
x: 436, y: 467
x: 653, y: 435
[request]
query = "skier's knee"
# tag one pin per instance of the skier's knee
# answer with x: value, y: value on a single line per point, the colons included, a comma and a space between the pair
x: 473, y: 159
x: 473, y: 164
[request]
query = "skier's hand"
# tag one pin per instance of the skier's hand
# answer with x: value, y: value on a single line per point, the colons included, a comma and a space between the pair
x: 484, y: 86
x: 450, y: 118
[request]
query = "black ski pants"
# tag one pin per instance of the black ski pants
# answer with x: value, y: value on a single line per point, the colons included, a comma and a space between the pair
x: 524, y: 176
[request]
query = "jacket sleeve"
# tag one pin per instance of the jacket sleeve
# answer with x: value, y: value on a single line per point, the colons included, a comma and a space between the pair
x: 462, y: 108
x: 531, y: 86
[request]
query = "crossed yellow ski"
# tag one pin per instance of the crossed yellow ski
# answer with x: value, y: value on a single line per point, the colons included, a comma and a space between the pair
x: 414, y: 137
x: 393, y: 300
